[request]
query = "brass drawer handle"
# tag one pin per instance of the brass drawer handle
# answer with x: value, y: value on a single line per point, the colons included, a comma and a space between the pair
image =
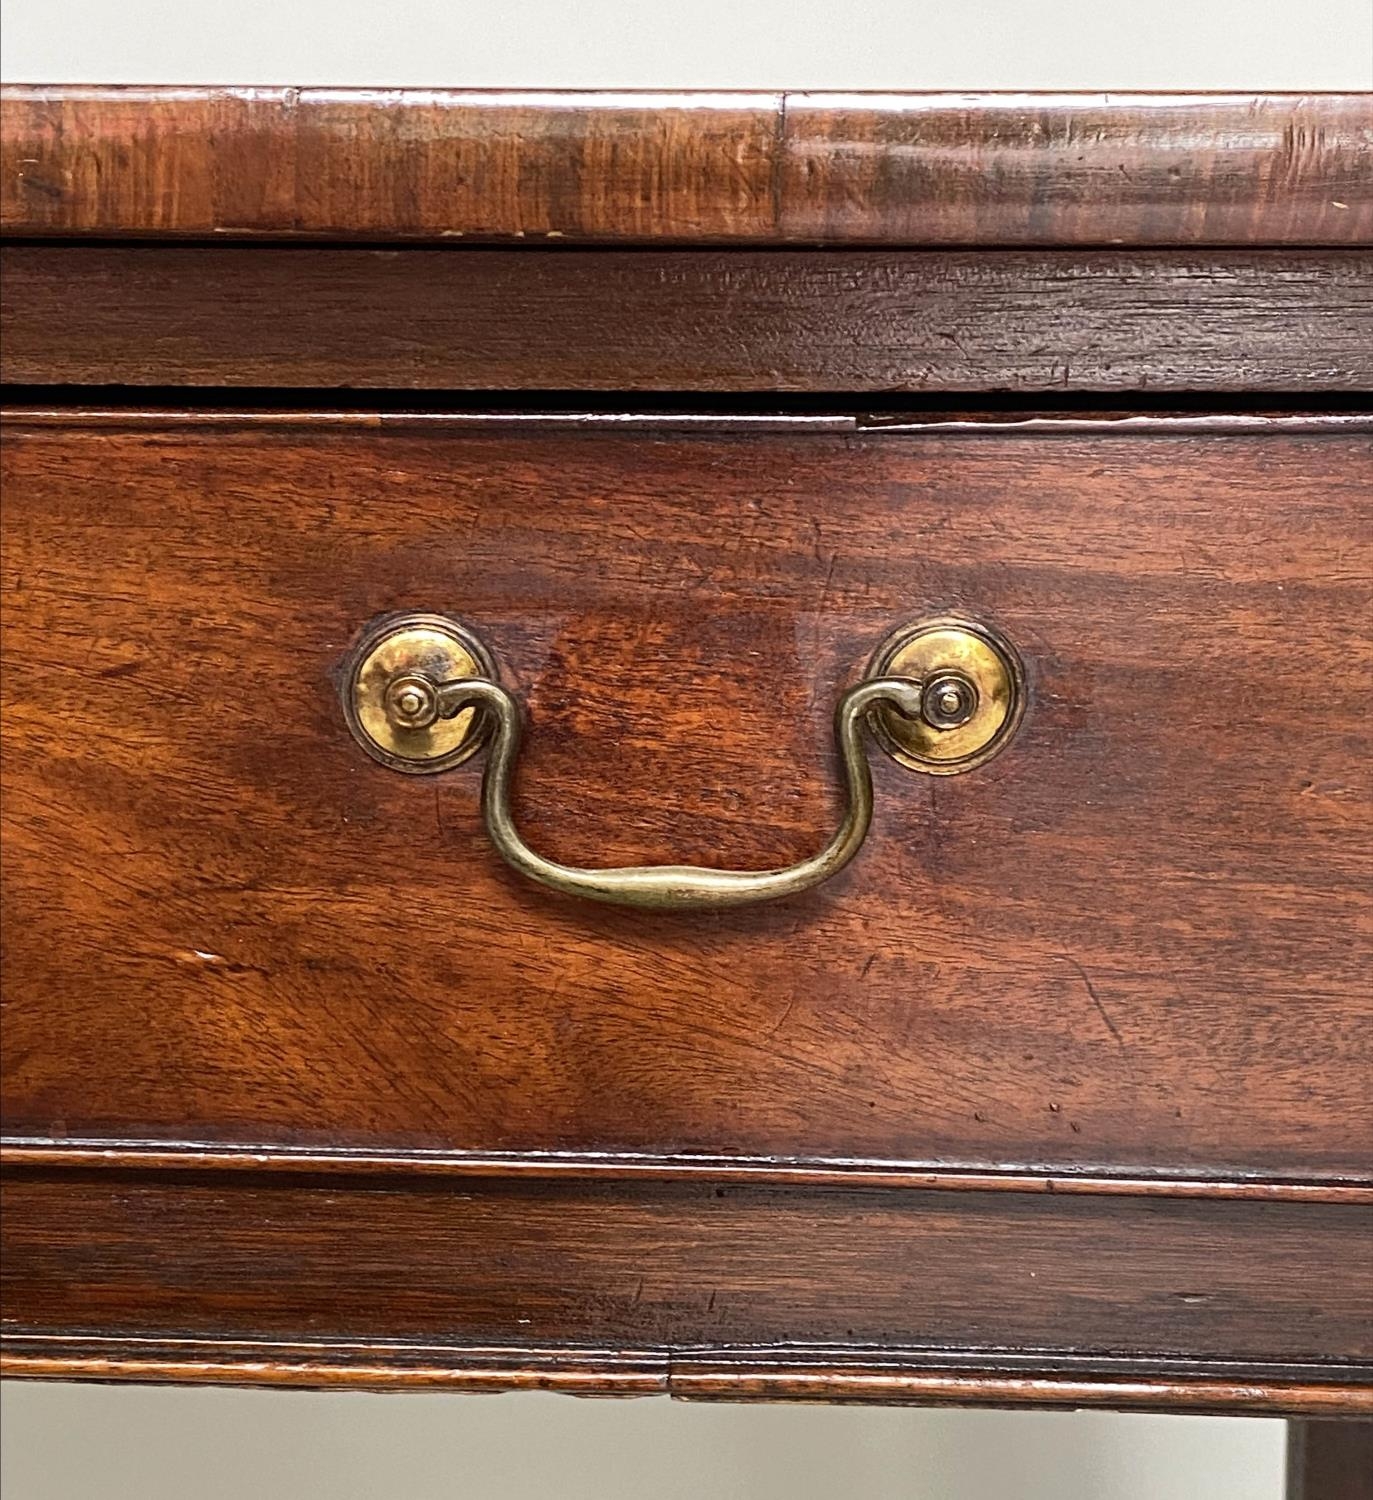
x: 678, y: 886
x: 421, y: 695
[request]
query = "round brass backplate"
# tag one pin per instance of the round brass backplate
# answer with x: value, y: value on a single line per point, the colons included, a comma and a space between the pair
x: 418, y: 648
x: 968, y: 665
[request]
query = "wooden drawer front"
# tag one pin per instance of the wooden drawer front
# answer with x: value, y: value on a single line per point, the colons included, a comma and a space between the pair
x: 1135, y: 942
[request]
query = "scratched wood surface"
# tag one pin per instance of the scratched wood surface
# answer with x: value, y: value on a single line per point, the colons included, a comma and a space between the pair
x: 765, y: 321
x: 825, y: 168
x: 1139, y: 940
x: 691, y: 1288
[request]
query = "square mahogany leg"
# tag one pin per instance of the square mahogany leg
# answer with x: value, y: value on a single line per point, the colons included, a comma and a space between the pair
x: 1329, y: 1460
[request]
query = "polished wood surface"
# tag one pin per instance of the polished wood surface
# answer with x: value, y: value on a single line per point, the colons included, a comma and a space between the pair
x: 631, y: 1167
x: 915, y: 169
x: 1137, y: 943
x: 1044, y: 322
x: 698, y: 1289
x: 1070, y: 169
x: 1058, y: 1095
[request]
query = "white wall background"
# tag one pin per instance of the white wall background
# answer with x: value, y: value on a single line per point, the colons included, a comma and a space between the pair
x: 67, y: 1442
x: 837, y: 44
x: 110, y: 1443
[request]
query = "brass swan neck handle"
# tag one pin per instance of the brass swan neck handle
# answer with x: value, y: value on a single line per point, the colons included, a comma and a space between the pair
x: 678, y: 887
x: 421, y: 695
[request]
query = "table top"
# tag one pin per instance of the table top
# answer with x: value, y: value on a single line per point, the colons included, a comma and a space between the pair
x: 917, y: 169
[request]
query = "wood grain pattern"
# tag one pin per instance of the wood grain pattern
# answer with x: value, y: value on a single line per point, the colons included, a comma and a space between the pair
x: 900, y: 1377
x: 716, y: 1291
x: 1136, y: 943
x: 1079, y: 170
x: 1059, y: 1095
x: 763, y: 321
x: 343, y: 163
x: 930, y: 169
